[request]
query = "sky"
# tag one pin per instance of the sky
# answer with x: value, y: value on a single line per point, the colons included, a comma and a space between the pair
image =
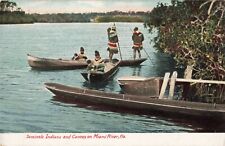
x: 82, y: 6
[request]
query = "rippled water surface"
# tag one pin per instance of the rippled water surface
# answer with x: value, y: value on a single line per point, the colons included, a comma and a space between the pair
x: 26, y: 106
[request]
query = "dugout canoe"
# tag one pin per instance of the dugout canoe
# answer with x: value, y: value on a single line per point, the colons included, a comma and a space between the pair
x: 100, y: 76
x: 54, y: 64
x: 146, y: 104
x: 132, y: 62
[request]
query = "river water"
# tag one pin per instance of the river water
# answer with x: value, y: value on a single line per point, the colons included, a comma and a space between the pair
x: 25, y: 104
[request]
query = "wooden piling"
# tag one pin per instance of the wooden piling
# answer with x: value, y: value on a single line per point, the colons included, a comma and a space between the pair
x: 164, y: 85
x: 172, y: 85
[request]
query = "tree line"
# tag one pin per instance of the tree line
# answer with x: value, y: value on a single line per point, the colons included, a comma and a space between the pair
x: 10, y: 13
x: 21, y: 17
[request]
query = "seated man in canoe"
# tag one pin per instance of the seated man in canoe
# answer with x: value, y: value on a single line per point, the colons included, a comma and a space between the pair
x: 97, y: 64
x: 80, y: 56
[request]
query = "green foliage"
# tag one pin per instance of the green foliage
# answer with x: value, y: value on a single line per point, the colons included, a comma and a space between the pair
x: 60, y: 18
x: 194, y: 33
x: 8, y: 17
x: 7, y: 6
x: 11, y: 14
x: 15, y: 18
x: 119, y: 18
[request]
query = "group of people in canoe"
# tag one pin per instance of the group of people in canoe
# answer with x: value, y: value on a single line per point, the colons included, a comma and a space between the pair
x: 96, y: 64
x: 113, y: 48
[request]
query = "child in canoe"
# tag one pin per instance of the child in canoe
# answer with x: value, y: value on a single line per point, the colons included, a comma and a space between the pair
x: 97, y: 64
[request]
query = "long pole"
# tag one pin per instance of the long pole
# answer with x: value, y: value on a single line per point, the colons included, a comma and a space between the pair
x: 119, y: 50
x: 118, y: 43
x: 148, y: 56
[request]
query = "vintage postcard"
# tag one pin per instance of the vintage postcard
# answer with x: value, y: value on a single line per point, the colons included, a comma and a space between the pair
x: 110, y: 72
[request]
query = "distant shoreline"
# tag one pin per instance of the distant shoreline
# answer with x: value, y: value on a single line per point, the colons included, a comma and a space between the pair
x: 115, y: 16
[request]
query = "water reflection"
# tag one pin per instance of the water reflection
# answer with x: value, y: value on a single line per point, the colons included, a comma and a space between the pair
x: 163, y: 63
x: 166, y: 120
x: 107, y: 86
x: 137, y: 71
x: 148, y: 120
x: 95, y: 86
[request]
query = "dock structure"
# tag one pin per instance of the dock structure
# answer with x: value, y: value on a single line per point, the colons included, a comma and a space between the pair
x: 186, y: 82
x: 200, y: 81
x: 165, y: 87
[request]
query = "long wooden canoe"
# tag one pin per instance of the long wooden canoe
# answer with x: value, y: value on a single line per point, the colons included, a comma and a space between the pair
x: 99, y: 76
x: 58, y: 64
x: 54, y: 64
x: 132, y: 62
x: 175, y: 108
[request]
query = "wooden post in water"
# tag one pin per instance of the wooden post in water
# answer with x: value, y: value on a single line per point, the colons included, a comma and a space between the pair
x: 172, y: 84
x: 164, y: 85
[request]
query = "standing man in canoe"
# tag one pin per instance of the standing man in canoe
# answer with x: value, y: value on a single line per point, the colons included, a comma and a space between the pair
x: 137, y: 38
x: 112, y: 42
x: 80, y: 56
